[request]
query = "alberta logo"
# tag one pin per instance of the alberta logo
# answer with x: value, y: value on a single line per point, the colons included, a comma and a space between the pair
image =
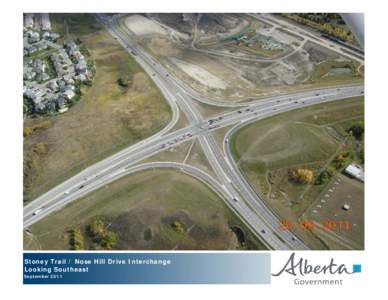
x: 301, y: 267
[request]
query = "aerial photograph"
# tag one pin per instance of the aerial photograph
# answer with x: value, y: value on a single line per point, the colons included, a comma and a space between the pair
x: 193, y: 131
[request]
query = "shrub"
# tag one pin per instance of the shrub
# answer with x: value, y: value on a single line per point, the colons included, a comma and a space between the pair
x: 27, y: 131
x: 122, y: 82
x: 39, y: 148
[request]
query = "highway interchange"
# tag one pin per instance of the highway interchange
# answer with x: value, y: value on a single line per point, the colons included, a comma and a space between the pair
x: 229, y: 183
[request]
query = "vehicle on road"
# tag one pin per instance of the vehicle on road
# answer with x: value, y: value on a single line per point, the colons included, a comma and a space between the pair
x: 37, y: 211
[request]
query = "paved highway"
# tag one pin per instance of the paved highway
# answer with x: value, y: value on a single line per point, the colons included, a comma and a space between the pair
x: 308, y: 35
x: 230, y: 183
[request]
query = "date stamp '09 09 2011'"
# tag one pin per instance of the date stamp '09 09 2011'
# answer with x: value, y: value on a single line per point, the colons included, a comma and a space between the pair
x: 327, y: 225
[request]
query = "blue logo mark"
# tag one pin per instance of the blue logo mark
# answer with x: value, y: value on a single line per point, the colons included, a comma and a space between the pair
x: 356, y: 268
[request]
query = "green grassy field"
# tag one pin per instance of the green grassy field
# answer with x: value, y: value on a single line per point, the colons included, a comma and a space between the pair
x: 311, y: 138
x: 141, y: 210
x: 107, y: 119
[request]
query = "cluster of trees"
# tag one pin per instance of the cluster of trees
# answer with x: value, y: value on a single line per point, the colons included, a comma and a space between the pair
x: 338, y: 163
x: 100, y: 235
x: 338, y: 31
x: 342, y: 159
x: 322, y: 18
x: 302, y: 176
x: 328, y: 23
x: 76, y: 239
x: 30, y: 169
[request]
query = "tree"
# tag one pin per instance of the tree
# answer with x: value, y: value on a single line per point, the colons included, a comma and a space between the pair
x: 302, y: 176
x: 357, y: 130
x: 342, y: 159
x: 325, y: 176
x: 177, y: 226
x: 109, y: 240
x: 76, y: 239
x: 97, y: 229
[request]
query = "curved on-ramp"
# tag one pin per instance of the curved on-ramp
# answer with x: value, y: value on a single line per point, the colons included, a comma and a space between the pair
x: 189, y: 170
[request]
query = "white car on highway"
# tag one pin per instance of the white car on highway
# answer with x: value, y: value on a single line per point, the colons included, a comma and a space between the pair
x: 37, y: 211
